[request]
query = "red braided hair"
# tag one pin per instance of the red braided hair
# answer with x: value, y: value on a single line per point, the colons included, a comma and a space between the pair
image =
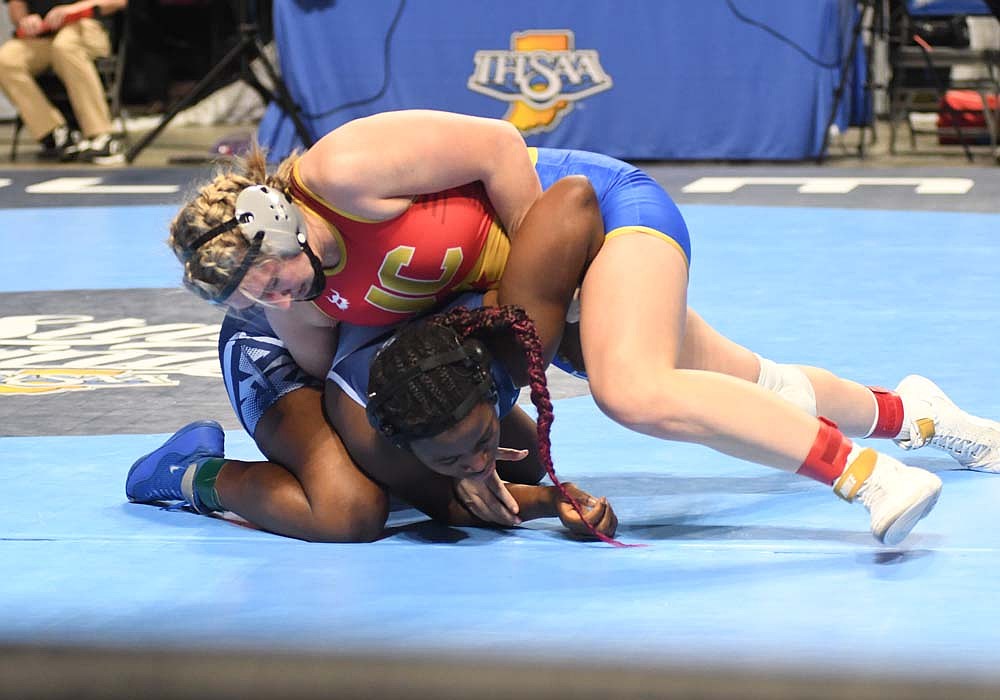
x: 469, y: 322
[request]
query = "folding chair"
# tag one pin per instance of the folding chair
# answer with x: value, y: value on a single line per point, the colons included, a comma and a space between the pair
x: 914, y: 54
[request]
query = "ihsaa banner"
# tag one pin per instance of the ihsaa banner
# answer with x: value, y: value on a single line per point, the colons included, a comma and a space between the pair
x: 673, y: 79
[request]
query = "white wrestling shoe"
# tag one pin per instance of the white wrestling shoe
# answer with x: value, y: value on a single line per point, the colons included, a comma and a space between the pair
x: 932, y: 418
x: 896, y: 496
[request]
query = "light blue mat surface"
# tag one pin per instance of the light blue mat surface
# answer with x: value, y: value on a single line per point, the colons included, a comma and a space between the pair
x: 743, y: 566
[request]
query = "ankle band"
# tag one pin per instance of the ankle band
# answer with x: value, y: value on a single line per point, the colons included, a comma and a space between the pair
x: 204, y: 483
x: 888, y: 413
x: 828, y: 456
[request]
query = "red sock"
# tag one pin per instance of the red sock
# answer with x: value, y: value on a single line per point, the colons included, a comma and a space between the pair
x: 827, y: 458
x: 889, y: 409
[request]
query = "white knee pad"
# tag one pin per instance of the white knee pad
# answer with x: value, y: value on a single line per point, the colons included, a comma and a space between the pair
x: 788, y: 382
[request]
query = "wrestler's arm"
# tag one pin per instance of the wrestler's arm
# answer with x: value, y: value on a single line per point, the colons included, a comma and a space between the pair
x: 310, y: 489
x: 565, y: 224
x: 373, y: 166
x: 519, y: 431
x: 309, y: 335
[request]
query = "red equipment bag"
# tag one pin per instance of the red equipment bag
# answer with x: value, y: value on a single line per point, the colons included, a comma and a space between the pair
x: 967, y: 107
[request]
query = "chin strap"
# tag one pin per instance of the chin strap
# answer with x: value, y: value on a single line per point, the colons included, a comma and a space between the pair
x: 204, y: 238
x: 237, y: 276
x: 319, y: 279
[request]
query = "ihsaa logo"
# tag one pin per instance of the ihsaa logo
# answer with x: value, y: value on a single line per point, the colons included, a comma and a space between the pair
x: 542, y: 76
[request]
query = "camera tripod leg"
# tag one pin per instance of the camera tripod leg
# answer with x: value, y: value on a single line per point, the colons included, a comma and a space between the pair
x: 279, y: 94
x: 248, y: 44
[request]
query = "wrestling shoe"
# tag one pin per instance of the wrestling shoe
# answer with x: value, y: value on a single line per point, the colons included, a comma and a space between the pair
x: 932, y: 418
x: 896, y: 496
x: 167, y: 473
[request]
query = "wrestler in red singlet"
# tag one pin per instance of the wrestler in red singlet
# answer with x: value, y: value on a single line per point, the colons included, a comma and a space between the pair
x: 390, y: 270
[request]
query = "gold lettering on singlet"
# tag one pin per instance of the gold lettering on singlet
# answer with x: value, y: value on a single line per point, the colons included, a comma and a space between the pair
x: 404, y: 294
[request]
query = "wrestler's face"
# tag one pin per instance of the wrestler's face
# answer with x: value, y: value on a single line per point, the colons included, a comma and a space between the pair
x: 275, y: 282
x: 466, y: 451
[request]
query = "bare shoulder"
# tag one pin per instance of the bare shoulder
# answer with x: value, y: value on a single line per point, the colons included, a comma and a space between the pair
x: 327, y: 164
x: 339, y: 158
x: 357, y: 167
x: 339, y: 168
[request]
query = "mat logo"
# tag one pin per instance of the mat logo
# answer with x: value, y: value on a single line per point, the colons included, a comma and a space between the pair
x: 58, y: 381
x: 542, y: 76
x: 55, y: 354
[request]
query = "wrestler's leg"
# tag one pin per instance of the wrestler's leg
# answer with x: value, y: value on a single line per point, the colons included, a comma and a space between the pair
x: 633, y: 315
x: 848, y: 404
x: 916, y: 414
x: 633, y: 361
x: 310, y: 489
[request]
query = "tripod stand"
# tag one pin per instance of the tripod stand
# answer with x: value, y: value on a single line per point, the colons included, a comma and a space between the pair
x: 878, y: 19
x: 248, y: 47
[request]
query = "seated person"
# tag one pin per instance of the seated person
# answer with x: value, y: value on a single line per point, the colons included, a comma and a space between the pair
x: 66, y: 38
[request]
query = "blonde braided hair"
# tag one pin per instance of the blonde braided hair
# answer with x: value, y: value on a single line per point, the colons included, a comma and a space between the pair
x: 210, y: 267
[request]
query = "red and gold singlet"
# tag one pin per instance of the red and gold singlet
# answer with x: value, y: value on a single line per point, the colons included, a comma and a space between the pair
x: 444, y: 243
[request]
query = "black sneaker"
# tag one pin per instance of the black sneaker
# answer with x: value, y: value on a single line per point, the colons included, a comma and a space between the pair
x: 103, y: 150
x: 55, y: 143
x: 71, y: 151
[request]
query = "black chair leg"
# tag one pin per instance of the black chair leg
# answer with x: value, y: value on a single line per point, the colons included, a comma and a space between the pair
x: 18, y: 125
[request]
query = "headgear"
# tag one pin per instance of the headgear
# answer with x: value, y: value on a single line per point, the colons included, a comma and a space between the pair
x: 273, y: 225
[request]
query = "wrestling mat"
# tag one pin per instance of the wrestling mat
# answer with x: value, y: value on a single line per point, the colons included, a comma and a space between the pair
x: 750, y: 583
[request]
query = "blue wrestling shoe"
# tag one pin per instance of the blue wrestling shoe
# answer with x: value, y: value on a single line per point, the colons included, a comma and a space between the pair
x: 167, y: 473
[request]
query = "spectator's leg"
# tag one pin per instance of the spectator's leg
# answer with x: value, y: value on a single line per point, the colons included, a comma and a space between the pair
x: 74, y: 49
x: 20, y: 61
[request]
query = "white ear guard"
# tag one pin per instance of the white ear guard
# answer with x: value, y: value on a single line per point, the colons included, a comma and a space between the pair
x: 273, y: 225
x: 262, y: 209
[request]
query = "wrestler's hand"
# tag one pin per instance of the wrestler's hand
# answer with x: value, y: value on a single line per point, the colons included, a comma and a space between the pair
x: 487, y: 498
x: 597, y: 511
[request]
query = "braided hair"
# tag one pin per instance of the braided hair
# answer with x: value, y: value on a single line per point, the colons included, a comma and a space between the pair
x: 406, y: 405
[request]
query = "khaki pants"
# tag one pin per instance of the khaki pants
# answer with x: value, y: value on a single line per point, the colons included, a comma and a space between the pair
x: 70, y: 54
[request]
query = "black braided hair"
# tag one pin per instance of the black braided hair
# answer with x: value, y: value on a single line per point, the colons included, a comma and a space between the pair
x: 425, y: 380
x: 429, y: 398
